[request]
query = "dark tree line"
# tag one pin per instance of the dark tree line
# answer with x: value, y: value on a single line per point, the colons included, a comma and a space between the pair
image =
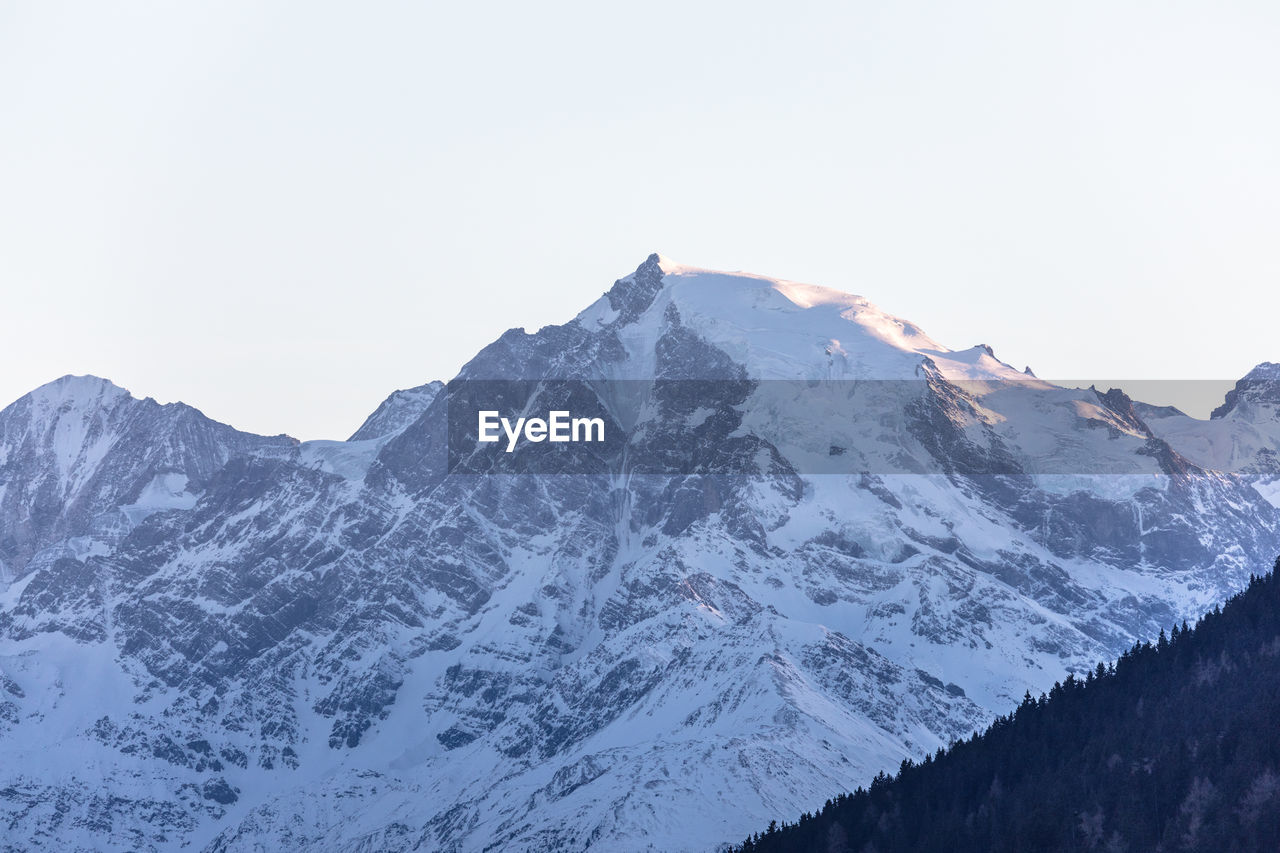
x: 1175, y: 746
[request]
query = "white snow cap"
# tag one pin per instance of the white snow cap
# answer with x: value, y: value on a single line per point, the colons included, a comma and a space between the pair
x: 78, y: 388
x: 781, y: 329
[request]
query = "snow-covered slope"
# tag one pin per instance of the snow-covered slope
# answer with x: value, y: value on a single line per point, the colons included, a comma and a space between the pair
x: 1242, y: 435
x: 343, y: 646
x: 82, y: 462
x: 397, y: 412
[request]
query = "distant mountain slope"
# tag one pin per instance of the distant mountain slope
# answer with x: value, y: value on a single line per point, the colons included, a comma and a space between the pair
x: 232, y: 642
x: 1174, y: 747
x: 1242, y: 435
x: 80, y: 456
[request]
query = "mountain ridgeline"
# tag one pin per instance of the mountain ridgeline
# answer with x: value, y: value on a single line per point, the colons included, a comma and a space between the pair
x: 1174, y: 747
x: 815, y: 543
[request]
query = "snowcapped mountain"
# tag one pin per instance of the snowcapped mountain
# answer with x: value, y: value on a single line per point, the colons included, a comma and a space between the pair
x: 1242, y: 434
x: 83, y: 461
x: 227, y: 642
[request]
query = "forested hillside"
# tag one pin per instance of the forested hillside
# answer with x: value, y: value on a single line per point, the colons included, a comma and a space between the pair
x: 1175, y: 746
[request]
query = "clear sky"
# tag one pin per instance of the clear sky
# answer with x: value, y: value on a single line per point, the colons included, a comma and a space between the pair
x: 281, y: 212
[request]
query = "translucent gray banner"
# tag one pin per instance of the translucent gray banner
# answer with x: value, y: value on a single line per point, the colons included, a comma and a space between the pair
x: 929, y: 425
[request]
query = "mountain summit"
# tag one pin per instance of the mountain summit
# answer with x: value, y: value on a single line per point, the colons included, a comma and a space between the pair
x: 80, y: 456
x: 1260, y: 386
x: 778, y: 329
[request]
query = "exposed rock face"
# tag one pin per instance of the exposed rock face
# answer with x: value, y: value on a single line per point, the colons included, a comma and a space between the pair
x: 79, y: 457
x: 231, y: 642
x: 1259, y: 387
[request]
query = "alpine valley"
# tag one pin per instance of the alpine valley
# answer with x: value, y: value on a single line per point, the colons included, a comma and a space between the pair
x: 213, y: 640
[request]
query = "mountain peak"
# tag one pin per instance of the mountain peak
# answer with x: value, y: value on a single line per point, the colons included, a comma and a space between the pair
x: 79, y: 384
x: 1268, y: 370
x: 664, y: 263
x: 632, y: 294
x: 83, y: 390
x: 1259, y: 385
x: 774, y: 327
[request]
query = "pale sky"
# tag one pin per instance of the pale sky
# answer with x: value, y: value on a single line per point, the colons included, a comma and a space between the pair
x: 281, y: 212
